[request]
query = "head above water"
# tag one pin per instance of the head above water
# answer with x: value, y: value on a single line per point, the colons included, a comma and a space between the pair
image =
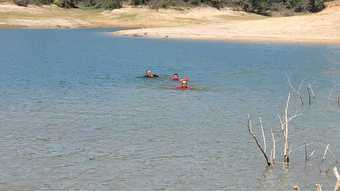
x: 149, y: 73
x: 184, y: 83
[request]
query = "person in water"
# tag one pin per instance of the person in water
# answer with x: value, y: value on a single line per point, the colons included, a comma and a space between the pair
x: 175, y: 77
x: 150, y: 74
x: 183, y: 85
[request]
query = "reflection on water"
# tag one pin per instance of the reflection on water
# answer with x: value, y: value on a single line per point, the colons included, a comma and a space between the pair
x: 75, y: 116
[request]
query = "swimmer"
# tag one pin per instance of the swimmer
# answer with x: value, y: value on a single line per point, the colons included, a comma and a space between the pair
x: 175, y: 77
x: 150, y: 74
x: 183, y: 85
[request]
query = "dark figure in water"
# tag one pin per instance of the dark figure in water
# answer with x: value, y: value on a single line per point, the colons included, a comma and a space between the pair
x: 150, y: 74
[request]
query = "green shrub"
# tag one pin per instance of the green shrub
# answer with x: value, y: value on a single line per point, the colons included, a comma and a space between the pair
x: 139, y: 2
x: 23, y: 3
x: 257, y: 6
x: 316, y: 5
x: 109, y: 4
x: 306, y: 5
x: 65, y: 3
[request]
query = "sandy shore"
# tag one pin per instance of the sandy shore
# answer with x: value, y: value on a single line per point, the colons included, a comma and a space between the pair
x: 323, y: 27
x: 13, y: 16
x: 202, y: 23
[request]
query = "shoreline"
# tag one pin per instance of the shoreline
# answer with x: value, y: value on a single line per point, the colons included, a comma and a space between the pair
x: 318, y: 28
x: 201, y: 23
x: 140, y: 34
x: 243, y: 40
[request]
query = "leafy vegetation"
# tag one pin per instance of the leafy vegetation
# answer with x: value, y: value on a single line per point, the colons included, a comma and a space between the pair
x: 264, y: 7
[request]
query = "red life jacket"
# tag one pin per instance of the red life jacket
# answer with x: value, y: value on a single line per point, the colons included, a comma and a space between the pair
x: 183, y: 88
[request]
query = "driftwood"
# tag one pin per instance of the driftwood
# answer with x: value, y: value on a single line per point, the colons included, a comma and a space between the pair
x: 250, y: 129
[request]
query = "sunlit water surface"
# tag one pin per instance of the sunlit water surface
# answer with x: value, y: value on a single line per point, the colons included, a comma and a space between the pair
x: 74, y: 115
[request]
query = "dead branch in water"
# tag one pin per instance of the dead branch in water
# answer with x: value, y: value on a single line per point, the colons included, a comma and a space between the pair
x: 250, y: 129
x: 296, y: 91
x: 318, y: 187
x: 273, y: 151
x: 285, y: 132
x: 263, y: 136
x: 325, y: 153
x: 331, y: 98
x: 306, y: 153
x: 309, y: 91
x: 284, y: 121
x: 296, y: 188
x: 337, y: 185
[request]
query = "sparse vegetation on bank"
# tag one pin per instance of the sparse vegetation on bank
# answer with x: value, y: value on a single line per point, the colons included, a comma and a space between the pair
x: 264, y: 7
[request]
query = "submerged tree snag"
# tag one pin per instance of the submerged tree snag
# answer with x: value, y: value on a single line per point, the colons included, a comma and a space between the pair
x: 273, y: 151
x: 318, y: 187
x: 337, y: 185
x: 285, y: 132
x: 296, y: 188
x: 284, y: 121
x: 250, y: 129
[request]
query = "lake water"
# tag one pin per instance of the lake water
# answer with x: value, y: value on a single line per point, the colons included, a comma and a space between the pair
x: 74, y: 115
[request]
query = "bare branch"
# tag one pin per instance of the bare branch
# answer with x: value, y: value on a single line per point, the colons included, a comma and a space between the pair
x: 250, y: 129
x: 294, y: 116
x: 263, y: 136
x: 311, y: 154
x: 273, y: 152
x: 306, y: 153
x: 281, y: 123
x: 325, y: 153
x: 300, y: 85
x: 311, y: 90
x: 337, y: 185
x: 309, y: 96
x: 318, y: 187
x: 286, y: 146
x: 290, y: 84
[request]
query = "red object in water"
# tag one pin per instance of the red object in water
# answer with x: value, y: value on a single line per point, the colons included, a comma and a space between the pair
x: 183, y: 88
x: 175, y: 78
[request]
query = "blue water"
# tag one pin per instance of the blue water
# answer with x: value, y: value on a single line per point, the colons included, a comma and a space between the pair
x: 75, y: 115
